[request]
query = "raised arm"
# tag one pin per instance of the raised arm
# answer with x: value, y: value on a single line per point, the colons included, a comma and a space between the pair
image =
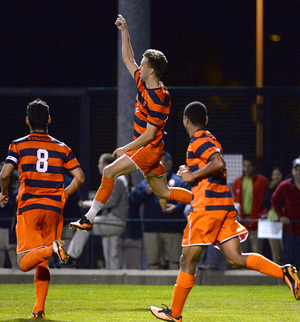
x: 127, y: 52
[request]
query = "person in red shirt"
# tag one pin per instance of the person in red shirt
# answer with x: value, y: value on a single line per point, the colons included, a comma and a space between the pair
x: 153, y: 103
x: 286, y: 203
x: 248, y: 191
x: 213, y: 218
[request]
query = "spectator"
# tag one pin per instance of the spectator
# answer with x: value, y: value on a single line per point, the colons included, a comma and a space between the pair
x: 275, y: 244
x: 110, y: 222
x: 164, y: 220
x: 286, y: 202
x: 8, y: 242
x: 249, y: 191
x: 130, y: 242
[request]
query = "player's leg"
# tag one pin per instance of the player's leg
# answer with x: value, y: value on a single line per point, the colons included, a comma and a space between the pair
x: 41, y: 282
x: 121, y: 166
x: 184, y: 283
x: 29, y: 260
x: 232, y: 251
x: 161, y: 189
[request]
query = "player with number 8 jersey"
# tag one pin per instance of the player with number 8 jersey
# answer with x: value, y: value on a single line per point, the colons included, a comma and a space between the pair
x: 41, y: 198
x: 41, y: 159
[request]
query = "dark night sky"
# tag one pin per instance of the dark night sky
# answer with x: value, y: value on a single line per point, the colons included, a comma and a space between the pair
x: 51, y: 43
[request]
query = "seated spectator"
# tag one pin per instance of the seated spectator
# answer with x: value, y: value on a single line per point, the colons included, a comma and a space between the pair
x: 164, y: 221
x: 110, y: 222
x: 130, y: 242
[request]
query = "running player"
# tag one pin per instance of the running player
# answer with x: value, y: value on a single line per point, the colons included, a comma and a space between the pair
x: 153, y: 103
x: 41, y: 160
x: 213, y: 218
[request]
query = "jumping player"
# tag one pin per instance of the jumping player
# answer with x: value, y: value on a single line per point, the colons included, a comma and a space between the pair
x: 153, y: 103
x: 213, y: 218
x: 41, y: 198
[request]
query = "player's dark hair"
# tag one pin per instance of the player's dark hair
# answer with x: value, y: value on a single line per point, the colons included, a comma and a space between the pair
x: 196, y: 112
x: 38, y: 114
x: 156, y: 60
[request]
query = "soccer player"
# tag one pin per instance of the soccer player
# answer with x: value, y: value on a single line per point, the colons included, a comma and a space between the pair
x: 153, y: 103
x: 213, y: 217
x: 41, y: 198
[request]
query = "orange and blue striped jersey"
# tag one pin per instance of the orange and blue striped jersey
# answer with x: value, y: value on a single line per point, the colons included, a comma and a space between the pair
x: 152, y: 106
x: 41, y: 160
x: 211, y: 193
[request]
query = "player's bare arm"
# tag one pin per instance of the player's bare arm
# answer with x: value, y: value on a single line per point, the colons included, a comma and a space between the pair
x: 142, y: 140
x: 7, y: 170
x: 127, y: 52
x: 76, y: 183
x: 215, y: 164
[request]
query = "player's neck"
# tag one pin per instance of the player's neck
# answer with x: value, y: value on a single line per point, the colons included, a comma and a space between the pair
x: 193, y: 129
x: 152, y: 83
x: 44, y: 131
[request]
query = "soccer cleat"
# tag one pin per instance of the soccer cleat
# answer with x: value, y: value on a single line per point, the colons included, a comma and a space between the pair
x: 164, y: 314
x: 39, y: 314
x: 58, y: 250
x: 81, y: 224
x: 291, y: 279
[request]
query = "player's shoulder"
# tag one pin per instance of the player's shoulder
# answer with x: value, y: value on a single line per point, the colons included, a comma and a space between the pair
x: 20, y: 140
x: 57, y: 142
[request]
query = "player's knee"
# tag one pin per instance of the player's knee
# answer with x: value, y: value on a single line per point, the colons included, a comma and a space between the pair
x: 187, y: 261
x: 108, y: 172
x: 23, y: 268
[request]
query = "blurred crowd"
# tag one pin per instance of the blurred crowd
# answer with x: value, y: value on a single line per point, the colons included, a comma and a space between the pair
x: 136, y: 230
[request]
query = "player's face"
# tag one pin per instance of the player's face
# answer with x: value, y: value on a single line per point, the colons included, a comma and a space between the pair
x: 144, y: 68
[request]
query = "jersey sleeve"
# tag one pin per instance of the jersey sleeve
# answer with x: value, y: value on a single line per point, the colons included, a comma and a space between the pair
x: 13, y: 155
x: 206, y: 150
x: 137, y: 76
x: 71, y: 162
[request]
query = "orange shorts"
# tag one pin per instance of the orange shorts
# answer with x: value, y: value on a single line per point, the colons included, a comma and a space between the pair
x: 37, y: 228
x: 212, y: 227
x: 147, y: 159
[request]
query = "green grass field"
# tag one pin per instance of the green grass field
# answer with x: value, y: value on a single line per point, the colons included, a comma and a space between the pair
x: 110, y: 303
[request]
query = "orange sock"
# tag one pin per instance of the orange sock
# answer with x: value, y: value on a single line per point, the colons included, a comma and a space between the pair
x: 41, y: 282
x: 263, y: 265
x: 105, y: 190
x: 34, y: 258
x: 183, y: 285
x: 181, y: 195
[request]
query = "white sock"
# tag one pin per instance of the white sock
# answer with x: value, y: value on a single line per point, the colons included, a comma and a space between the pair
x: 92, y: 213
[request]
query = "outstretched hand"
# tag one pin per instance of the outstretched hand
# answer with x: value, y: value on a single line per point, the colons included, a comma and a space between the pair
x: 121, y: 23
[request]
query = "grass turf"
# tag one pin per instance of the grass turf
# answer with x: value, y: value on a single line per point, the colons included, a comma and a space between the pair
x: 113, y: 303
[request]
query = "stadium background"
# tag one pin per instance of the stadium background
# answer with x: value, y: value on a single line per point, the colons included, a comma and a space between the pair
x: 66, y: 54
